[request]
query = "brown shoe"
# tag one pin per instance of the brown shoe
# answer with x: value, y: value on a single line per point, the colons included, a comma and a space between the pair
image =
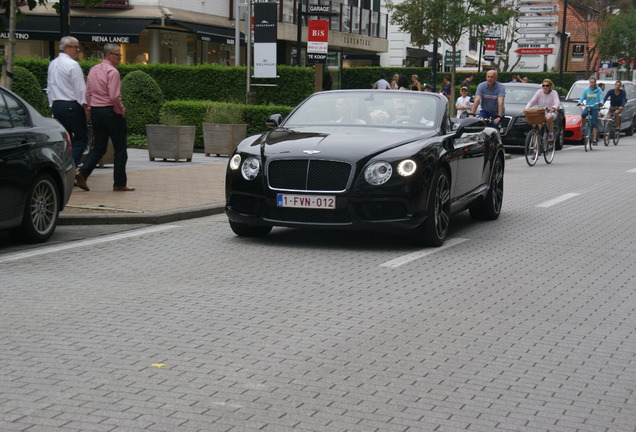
x: 80, y: 181
x: 123, y: 189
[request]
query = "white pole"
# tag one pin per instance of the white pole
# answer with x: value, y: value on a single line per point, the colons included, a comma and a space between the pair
x: 237, y: 34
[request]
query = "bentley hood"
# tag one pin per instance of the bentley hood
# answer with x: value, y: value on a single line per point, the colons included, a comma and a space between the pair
x: 349, y: 142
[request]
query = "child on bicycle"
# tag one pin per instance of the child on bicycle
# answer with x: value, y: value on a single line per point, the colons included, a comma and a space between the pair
x: 549, y: 98
x: 593, y: 97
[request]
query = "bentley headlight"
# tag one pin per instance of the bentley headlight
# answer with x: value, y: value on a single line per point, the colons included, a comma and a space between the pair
x: 406, y: 168
x: 521, y: 121
x: 235, y: 162
x: 378, y: 173
x: 250, y: 168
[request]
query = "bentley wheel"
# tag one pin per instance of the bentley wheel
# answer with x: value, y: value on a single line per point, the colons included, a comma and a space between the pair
x: 434, y: 230
x: 245, y: 230
x: 490, y: 207
x: 41, y: 211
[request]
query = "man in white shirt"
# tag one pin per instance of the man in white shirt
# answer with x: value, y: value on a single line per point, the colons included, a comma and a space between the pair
x: 67, y: 94
x: 382, y: 83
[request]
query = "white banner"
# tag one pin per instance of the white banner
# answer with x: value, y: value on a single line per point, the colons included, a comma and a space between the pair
x: 265, y: 60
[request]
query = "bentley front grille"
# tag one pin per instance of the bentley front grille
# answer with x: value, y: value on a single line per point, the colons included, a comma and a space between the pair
x: 306, y: 175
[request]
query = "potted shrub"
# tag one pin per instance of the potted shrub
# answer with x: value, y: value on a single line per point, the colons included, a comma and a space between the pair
x: 223, y: 128
x: 170, y: 139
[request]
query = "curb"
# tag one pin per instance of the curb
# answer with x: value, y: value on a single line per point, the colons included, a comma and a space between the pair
x: 154, y: 218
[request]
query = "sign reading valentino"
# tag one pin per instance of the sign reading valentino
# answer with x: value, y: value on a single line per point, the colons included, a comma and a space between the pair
x: 265, y: 36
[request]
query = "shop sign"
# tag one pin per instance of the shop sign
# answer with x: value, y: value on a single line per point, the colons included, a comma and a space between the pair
x: 265, y: 36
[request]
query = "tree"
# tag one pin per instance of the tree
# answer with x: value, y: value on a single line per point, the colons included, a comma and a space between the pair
x: 618, y: 38
x: 595, y: 14
x: 428, y: 20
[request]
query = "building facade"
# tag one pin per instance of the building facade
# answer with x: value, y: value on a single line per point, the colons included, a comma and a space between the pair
x: 189, y: 32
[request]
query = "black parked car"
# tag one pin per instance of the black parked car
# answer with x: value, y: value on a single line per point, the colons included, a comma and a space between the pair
x: 36, y: 170
x: 514, y: 127
x: 366, y: 159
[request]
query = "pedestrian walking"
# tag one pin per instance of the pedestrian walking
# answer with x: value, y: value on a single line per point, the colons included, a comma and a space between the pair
x: 108, y: 115
x: 463, y: 103
x: 394, y: 83
x: 66, y: 91
x: 382, y: 83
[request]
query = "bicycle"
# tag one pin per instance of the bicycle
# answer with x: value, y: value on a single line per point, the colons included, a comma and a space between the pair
x: 537, y: 140
x: 609, y: 132
x: 586, y: 129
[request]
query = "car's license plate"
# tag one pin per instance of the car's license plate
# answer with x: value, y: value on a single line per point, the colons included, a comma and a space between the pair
x: 306, y: 201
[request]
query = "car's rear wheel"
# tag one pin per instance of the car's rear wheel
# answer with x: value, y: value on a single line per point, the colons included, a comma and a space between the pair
x: 490, y: 207
x: 41, y: 211
x: 434, y: 230
x: 245, y: 230
x: 630, y: 130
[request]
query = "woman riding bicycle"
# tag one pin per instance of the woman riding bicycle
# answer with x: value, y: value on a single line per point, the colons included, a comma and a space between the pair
x: 592, y: 97
x: 548, y: 98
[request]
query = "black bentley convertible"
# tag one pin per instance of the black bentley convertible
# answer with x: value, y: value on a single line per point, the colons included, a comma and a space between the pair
x: 366, y: 160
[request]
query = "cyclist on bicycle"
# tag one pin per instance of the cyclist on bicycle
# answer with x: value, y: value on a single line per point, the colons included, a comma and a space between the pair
x: 491, y: 94
x: 548, y: 98
x: 592, y: 96
x: 618, y: 99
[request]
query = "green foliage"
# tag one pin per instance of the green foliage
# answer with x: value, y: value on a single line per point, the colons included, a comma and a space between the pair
x: 27, y: 87
x: 226, y: 83
x: 142, y: 97
x: 193, y: 112
x: 228, y: 114
x: 137, y: 140
x: 207, y: 81
x: 618, y: 37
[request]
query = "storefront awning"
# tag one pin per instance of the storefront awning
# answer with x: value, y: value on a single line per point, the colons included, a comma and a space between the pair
x: 85, y: 29
x: 420, y: 53
x: 211, y: 33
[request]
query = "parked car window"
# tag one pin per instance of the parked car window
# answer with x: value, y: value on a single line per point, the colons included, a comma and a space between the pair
x: 5, y: 119
x: 18, y: 114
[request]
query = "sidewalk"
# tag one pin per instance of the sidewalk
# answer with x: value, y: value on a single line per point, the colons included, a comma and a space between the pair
x: 166, y: 191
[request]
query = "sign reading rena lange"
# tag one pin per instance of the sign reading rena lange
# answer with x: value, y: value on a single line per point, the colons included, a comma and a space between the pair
x: 110, y: 39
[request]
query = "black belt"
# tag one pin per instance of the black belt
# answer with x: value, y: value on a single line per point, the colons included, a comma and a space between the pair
x: 65, y: 101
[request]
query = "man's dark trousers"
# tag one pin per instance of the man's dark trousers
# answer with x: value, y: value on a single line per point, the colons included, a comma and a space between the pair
x: 108, y: 124
x: 73, y: 117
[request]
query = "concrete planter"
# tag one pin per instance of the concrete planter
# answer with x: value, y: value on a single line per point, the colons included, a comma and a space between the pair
x: 170, y: 142
x: 222, y: 139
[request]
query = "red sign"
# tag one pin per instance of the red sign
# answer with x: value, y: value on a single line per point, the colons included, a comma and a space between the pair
x: 544, y: 51
x: 491, y: 45
x: 318, y: 31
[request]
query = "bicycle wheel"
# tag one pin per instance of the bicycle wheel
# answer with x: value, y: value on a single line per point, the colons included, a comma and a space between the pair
x: 532, y: 147
x: 616, y: 136
x: 607, y: 132
x: 586, y: 136
x: 549, y: 149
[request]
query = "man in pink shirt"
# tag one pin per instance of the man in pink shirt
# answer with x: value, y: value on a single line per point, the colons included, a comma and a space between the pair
x: 108, y: 115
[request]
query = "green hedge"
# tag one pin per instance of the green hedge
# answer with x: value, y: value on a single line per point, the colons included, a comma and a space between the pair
x: 193, y: 113
x: 206, y: 82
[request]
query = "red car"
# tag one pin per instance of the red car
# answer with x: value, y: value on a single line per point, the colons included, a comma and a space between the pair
x: 572, y: 121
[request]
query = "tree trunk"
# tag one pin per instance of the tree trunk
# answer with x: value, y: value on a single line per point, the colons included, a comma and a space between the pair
x: 7, y: 66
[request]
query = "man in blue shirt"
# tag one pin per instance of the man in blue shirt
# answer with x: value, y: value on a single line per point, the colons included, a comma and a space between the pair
x: 491, y: 94
x: 618, y: 99
x: 593, y: 98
